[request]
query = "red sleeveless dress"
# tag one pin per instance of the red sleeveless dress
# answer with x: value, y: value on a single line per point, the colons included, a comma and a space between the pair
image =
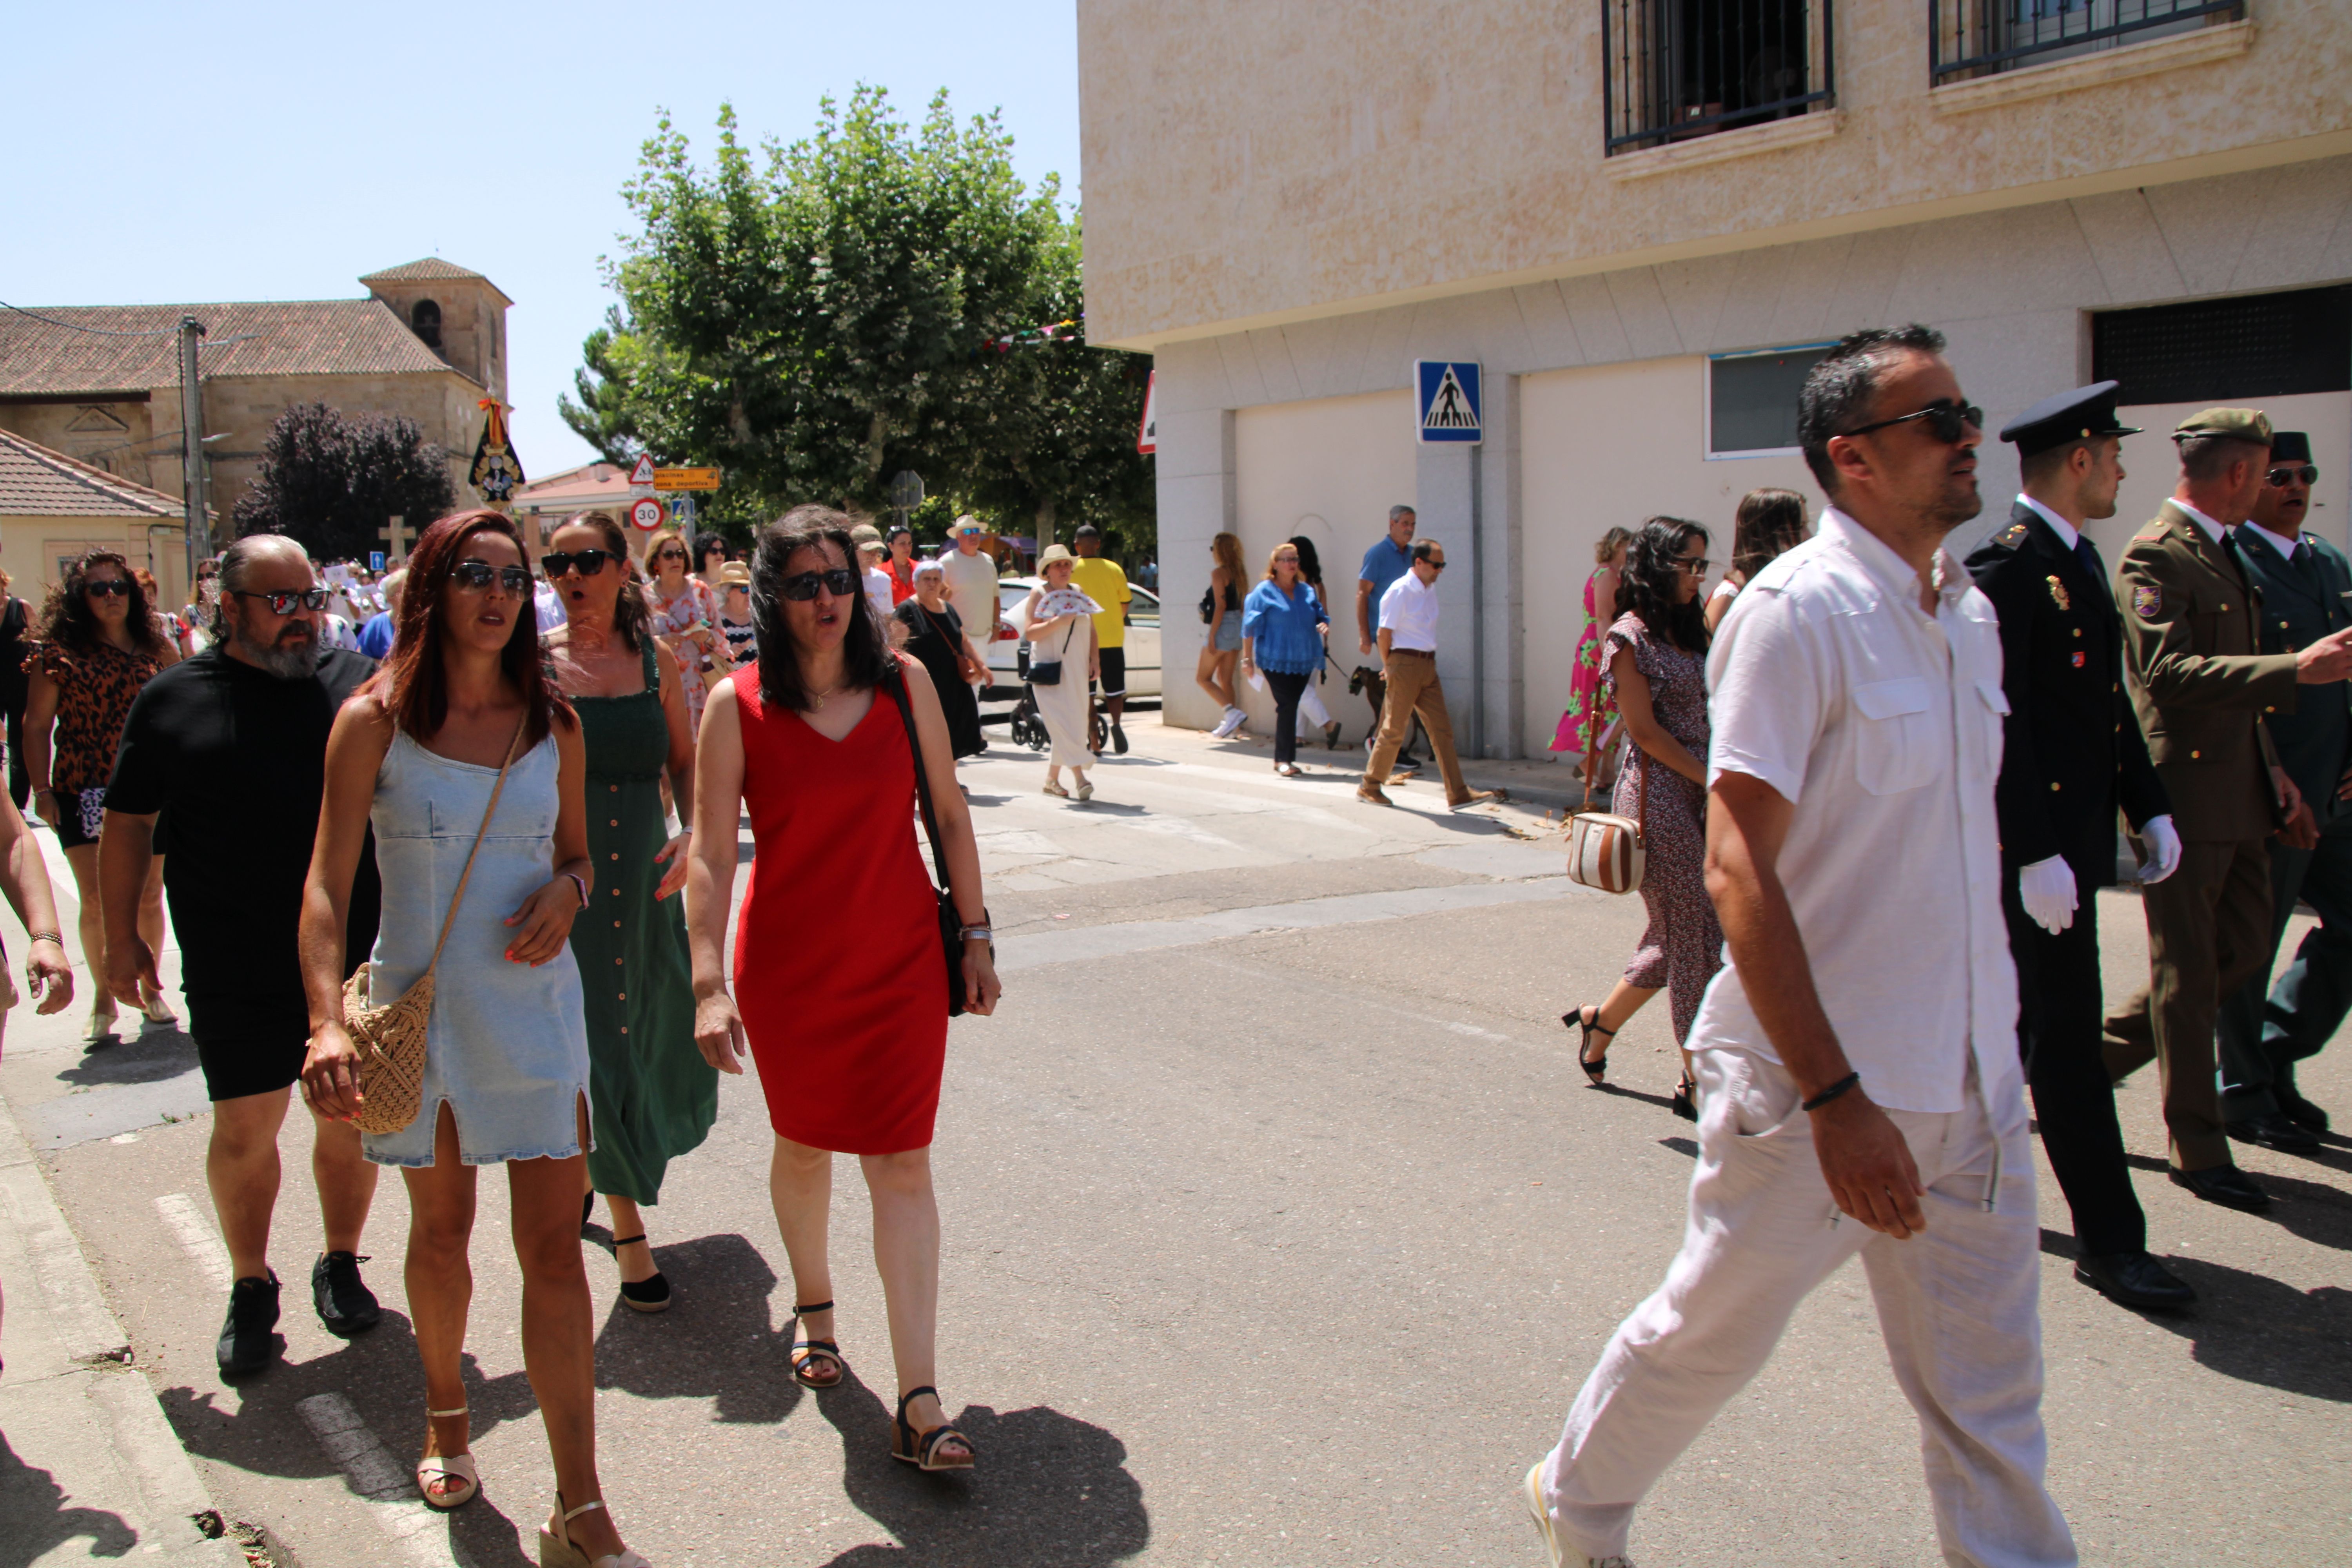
x: 837, y: 971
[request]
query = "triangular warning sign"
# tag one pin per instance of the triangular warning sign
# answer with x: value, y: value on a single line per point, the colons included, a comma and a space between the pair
x: 1449, y: 406
x: 643, y: 474
x: 1146, y: 438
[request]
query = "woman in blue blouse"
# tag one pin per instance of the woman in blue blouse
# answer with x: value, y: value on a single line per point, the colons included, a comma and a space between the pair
x: 1282, y: 625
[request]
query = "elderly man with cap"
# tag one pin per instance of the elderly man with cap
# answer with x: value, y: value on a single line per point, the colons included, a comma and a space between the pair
x: 2203, y: 689
x: 2071, y: 751
x: 971, y: 580
x: 2306, y: 595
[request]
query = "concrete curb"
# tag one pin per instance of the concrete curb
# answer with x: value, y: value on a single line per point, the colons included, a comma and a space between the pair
x: 126, y: 1457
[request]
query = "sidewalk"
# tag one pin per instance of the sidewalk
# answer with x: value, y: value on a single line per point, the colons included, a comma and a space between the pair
x: 1532, y: 781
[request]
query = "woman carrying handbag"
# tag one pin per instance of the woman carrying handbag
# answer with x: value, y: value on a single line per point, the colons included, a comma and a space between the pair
x: 1656, y: 659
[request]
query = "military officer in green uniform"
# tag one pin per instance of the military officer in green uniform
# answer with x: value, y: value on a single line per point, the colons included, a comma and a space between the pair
x: 2306, y: 594
x: 2072, y: 753
x: 2202, y: 689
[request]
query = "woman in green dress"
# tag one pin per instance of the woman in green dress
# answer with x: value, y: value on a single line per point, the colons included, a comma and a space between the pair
x: 652, y: 1097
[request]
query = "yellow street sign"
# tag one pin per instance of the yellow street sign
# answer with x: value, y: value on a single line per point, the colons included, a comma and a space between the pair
x: 686, y: 478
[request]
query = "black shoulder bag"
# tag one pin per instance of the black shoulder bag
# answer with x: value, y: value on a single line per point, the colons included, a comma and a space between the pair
x: 951, y: 922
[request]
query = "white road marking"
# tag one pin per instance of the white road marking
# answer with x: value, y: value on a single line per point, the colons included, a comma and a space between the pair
x: 194, y: 1229
x: 387, y: 1487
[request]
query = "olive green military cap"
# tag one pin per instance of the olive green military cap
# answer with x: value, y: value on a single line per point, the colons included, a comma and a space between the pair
x: 2235, y: 424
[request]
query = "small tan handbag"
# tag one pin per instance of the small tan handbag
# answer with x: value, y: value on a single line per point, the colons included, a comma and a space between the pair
x: 1605, y: 850
x: 391, y: 1038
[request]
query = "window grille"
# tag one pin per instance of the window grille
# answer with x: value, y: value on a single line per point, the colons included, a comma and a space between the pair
x: 1679, y: 69
x: 1968, y: 38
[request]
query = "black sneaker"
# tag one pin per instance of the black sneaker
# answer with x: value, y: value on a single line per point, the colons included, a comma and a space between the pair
x: 1118, y: 738
x: 248, y: 1339
x: 345, y: 1304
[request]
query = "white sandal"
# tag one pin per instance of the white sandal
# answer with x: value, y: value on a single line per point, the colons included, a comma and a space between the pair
x: 556, y: 1551
x: 447, y: 1467
x: 1057, y: 790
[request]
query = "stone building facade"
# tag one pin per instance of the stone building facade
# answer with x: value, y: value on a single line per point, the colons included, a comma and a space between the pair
x: 1643, y: 235
x: 427, y: 342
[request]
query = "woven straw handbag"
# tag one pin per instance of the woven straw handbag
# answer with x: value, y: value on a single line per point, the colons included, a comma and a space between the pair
x: 1605, y: 850
x: 391, y: 1038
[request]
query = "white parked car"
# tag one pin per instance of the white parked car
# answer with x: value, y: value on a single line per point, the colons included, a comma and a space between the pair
x: 1142, y: 640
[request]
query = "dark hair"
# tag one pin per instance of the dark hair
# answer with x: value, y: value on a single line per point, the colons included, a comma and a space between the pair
x: 413, y: 685
x: 1647, y: 587
x: 630, y: 617
x: 66, y: 619
x: 704, y: 545
x: 863, y: 657
x: 1843, y: 384
x: 1423, y: 547
x: 2205, y: 458
x: 1310, y: 566
x: 1768, y: 522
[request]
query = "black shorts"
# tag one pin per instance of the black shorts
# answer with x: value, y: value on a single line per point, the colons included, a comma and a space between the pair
x: 1114, y: 672
x: 69, y: 833
x: 246, y: 1048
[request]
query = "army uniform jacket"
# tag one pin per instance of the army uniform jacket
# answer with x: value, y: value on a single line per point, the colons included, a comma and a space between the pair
x: 2199, y: 684
x: 2072, y: 749
x: 2298, y: 608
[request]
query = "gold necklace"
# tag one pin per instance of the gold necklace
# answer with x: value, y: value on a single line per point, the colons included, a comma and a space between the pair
x: 817, y: 702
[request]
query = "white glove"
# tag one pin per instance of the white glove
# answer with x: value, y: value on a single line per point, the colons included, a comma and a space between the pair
x: 2163, y: 841
x: 2046, y: 888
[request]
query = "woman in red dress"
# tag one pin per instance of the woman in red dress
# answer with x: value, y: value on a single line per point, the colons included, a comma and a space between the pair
x: 840, y: 989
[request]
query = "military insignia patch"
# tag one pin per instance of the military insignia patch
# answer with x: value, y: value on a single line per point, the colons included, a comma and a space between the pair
x: 2148, y: 601
x: 2013, y: 536
x: 2058, y: 592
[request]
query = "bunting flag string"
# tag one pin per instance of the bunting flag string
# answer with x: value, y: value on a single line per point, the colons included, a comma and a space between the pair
x: 1056, y: 332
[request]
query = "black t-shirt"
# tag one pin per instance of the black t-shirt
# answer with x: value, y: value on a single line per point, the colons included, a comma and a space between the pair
x: 233, y: 761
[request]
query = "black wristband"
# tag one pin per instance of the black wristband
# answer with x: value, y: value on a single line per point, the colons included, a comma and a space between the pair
x: 1847, y: 1082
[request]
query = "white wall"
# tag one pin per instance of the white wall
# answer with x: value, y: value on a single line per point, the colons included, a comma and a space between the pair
x: 1604, y: 447
x: 1329, y: 469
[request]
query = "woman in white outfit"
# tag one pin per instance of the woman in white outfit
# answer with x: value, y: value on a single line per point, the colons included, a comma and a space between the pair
x: 1056, y: 622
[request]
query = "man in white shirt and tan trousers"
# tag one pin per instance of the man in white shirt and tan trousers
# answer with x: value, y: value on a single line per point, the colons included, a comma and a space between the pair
x: 1859, y: 1085
x: 1408, y: 644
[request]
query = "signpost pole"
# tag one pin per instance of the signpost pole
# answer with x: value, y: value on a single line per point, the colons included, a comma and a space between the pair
x: 192, y: 450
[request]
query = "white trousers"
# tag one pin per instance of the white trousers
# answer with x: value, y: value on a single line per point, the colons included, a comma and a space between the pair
x: 1957, y: 1304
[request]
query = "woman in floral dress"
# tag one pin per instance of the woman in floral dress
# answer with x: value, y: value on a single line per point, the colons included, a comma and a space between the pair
x: 686, y: 616
x: 1592, y: 709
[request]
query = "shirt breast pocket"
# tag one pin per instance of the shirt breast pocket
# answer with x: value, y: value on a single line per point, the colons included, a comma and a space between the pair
x: 1894, y: 742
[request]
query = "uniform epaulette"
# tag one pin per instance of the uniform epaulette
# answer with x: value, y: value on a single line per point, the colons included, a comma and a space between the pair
x: 2150, y: 537
x: 2013, y: 536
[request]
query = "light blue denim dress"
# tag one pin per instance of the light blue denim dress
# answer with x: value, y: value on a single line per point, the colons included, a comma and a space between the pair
x: 507, y: 1045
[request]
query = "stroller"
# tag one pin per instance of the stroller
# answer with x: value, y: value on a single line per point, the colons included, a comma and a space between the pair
x: 1027, y: 728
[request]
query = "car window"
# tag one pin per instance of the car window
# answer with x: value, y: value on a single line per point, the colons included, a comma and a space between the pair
x: 1145, y: 610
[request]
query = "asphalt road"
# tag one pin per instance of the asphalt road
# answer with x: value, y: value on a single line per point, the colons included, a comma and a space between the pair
x: 1280, y: 1229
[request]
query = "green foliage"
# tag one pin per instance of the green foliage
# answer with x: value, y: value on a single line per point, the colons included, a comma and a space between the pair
x: 331, y: 481
x: 813, y: 319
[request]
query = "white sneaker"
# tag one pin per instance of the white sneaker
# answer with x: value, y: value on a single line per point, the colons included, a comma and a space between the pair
x: 1533, y: 1488
x: 1233, y: 721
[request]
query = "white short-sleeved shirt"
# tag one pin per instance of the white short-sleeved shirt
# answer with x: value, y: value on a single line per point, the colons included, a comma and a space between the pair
x: 972, y: 588
x: 1409, y: 614
x: 1883, y: 726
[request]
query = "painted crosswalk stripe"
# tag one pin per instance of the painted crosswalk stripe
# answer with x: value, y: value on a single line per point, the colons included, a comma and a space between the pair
x: 194, y: 1227
x: 384, y: 1485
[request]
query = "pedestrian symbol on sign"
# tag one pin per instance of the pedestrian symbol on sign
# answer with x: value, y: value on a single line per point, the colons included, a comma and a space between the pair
x: 1448, y: 400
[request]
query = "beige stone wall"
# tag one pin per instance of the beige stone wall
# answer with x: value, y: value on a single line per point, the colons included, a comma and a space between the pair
x: 116, y: 437
x: 443, y: 406
x: 30, y: 548
x: 1250, y: 165
x: 473, y: 324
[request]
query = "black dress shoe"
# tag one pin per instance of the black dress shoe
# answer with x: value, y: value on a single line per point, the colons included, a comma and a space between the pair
x: 2302, y: 1113
x: 2272, y: 1130
x: 2226, y: 1185
x: 2135, y: 1280
x: 1118, y: 739
x: 345, y: 1304
x: 249, y: 1339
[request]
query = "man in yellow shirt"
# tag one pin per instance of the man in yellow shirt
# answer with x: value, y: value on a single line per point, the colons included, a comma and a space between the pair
x: 1100, y: 579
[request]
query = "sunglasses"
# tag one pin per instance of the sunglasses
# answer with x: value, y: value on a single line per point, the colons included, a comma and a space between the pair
x: 480, y: 574
x: 1946, y: 420
x: 1437, y: 565
x: 109, y: 588
x: 1697, y: 567
x: 838, y: 581
x: 2287, y: 475
x: 284, y: 604
x: 671, y: 555
x: 587, y: 562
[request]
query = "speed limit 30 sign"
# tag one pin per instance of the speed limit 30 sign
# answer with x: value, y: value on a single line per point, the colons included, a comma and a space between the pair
x: 647, y: 513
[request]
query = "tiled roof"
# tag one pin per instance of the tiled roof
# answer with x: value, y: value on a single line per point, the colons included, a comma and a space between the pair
x: 430, y: 269
x: 303, y: 337
x: 38, y: 482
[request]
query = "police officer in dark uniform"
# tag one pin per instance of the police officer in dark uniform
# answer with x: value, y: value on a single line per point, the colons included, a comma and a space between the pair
x: 2306, y: 593
x: 2071, y: 751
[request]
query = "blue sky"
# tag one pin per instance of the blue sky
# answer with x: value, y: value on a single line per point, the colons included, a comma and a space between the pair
x: 162, y: 153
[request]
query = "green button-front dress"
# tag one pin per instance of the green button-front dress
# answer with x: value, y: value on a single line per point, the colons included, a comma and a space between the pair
x: 651, y: 1095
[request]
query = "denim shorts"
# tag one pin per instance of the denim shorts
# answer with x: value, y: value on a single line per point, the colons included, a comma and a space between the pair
x: 1229, y: 634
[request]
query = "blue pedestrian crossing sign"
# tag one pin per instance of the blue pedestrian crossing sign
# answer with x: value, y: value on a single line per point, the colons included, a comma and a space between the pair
x: 1447, y: 397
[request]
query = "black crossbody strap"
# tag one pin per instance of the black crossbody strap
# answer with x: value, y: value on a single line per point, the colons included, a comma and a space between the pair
x: 922, y: 779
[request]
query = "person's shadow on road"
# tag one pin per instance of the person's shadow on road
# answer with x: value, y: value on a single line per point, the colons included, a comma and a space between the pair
x: 721, y: 1345
x: 34, y: 1520
x: 1049, y: 1490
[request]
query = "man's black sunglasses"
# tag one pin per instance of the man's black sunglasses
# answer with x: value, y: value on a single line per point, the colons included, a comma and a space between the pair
x: 1946, y: 420
x: 107, y: 587
x: 284, y: 604
x: 480, y: 574
x: 587, y: 562
x: 2288, y: 475
x: 838, y: 581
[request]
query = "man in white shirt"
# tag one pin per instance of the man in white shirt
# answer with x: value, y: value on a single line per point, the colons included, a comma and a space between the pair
x: 1858, y: 1084
x: 1408, y: 645
x: 971, y: 581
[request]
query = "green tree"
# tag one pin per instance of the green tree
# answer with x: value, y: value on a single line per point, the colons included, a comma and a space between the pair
x: 331, y: 481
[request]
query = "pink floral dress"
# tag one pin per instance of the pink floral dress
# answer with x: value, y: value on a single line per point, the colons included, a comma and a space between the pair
x: 1592, y: 705
x: 695, y: 605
